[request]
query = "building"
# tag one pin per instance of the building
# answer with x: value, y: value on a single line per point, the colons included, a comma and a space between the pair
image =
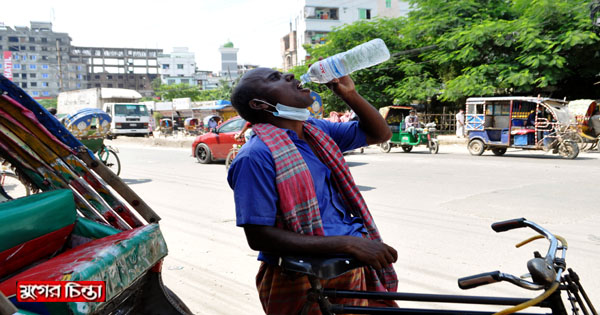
x: 128, y: 68
x: 229, y: 65
x: 37, y: 59
x: 178, y: 67
x: 316, y: 18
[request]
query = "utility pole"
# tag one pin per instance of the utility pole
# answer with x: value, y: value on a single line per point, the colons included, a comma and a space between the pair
x: 60, y: 76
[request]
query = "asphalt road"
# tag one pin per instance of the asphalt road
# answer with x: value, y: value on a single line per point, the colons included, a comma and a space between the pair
x: 436, y: 210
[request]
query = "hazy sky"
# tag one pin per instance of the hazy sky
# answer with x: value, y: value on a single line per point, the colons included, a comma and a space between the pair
x: 254, y: 26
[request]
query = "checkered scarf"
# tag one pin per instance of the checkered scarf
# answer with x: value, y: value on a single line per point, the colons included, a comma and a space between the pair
x: 298, y: 199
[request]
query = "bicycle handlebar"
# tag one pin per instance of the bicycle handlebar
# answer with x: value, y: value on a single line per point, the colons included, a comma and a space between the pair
x: 540, y: 267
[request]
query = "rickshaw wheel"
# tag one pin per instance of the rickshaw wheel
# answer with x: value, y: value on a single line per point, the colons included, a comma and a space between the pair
x: 407, y: 148
x: 434, y: 147
x: 203, y: 154
x: 476, y: 147
x: 568, y: 150
x: 385, y: 147
x: 499, y: 151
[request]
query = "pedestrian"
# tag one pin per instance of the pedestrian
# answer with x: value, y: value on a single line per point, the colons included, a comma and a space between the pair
x: 460, y: 123
x: 594, y: 123
x: 294, y: 193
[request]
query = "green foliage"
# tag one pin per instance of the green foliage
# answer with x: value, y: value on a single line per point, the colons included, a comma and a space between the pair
x: 170, y: 92
x: 473, y: 48
x: 48, y: 103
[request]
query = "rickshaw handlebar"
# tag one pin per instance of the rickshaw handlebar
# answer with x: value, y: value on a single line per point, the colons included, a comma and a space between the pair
x: 496, y: 276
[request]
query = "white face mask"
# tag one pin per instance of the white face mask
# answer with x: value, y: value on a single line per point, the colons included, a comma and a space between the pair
x: 288, y: 112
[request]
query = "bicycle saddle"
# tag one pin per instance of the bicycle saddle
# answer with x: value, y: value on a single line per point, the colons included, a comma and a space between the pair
x: 320, y: 267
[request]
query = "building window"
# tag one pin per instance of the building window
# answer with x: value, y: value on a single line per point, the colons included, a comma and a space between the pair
x: 109, y: 77
x: 179, y: 66
x: 97, y: 77
x: 17, y: 66
x: 110, y: 85
x: 32, y: 57
x: 45, y: 84
x: 78, y: 68
x: 23, y: 48
x: 33, y: 84
x: 120, y: 85
x: 35, y: 93
x: 364, y: 14
x: 24, y: 75
x: 44, y: 57
x: 13, y: 39
x: 46, y: 93
x: 44, y: 40
x: 33, y: 75
x: 321, y: 13
x: 24, y: 84
x: 32, y: 48
x: 80, y: 76
x: 165, y: 66
x: 97, y: 85
x: 44, y: 75
x: 32, y: 39
x: 388, y: 3
x: 32, y: 67
x: 78, y: 85
x: 170, y: 81
x: 16, y: 57
x: 44, y: 66
x: 316, y: 37
x: 44, y: 48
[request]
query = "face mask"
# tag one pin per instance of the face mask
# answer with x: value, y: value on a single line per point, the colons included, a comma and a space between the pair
x: 288, y: 112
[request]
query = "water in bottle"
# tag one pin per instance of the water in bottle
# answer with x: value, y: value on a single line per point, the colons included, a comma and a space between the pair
x: 362, y: 56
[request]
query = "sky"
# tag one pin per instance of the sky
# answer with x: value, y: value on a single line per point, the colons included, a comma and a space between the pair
x: 254, y: 26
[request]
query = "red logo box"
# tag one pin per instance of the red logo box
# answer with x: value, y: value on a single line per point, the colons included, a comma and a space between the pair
x: 61, y: 291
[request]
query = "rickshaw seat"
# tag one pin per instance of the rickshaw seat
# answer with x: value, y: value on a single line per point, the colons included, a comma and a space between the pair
x: 522, y: 131
x: 321, y: 267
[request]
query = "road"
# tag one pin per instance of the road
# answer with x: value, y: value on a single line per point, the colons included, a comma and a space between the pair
x: 436, y: 210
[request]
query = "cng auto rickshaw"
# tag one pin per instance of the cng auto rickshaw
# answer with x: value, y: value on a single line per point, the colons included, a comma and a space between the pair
x: 528, y: 123
x: 394, y: 116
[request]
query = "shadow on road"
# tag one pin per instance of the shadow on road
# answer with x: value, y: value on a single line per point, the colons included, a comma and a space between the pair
x: 136, y: 181
x: 352, y: 164
x: 364, y: 188
x: 537, y: 156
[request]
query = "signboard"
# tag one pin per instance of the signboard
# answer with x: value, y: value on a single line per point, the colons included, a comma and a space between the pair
x: 316, y: 109
x: 182, y: 103
x: 8, y: 65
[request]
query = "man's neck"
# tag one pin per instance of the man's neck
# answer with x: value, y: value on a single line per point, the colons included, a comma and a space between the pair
x: 293, y: 125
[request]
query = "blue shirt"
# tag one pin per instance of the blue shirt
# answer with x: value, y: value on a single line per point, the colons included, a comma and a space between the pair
x: 252, y: 178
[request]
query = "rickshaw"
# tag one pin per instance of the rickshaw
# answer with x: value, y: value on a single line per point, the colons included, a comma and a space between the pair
x: 394, y: 116
x: 73, y: 235
x: 192, y: 126
x: 166, y: 126
x: 91, y: 126
x: 216, y: 118
x: 528, y: 123
x: 582, y: 110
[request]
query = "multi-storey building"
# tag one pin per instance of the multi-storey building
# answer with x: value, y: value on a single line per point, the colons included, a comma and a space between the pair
x: 129, y: 68
x: 229, y: 65
x: 178, y: 67
x: 37, y: 59
x: 316, y: 18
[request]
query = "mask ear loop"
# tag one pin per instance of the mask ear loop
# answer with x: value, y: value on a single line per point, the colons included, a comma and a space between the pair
x: 266, y: 103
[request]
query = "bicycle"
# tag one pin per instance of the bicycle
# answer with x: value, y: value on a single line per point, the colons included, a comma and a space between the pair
x: 11, y: 186
x: 108, y: 156
x: 235, y: 148
x: 547, y: 273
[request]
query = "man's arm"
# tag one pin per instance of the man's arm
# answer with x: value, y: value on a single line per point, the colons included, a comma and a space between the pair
x: 274, y: 240
x: 371, y: 122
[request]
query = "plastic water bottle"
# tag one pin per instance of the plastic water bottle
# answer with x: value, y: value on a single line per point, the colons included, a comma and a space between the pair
x: 362, y: 56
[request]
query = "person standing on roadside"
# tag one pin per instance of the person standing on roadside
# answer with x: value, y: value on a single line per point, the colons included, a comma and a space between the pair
x: 460, y: 123
x: 294, y: 193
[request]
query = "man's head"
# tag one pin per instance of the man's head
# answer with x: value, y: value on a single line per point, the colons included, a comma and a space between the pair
x: 412, y: 112
x: 263, y: 85
x: 52, y: 110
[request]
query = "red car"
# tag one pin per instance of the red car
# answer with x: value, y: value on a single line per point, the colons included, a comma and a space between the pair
x: 216, y: 144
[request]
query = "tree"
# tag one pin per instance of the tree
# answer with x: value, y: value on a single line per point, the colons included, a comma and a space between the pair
x: 446, y: 51
x: 48, y: 103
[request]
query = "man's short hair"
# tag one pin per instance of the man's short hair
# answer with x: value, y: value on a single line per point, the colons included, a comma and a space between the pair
x: 243, y: 93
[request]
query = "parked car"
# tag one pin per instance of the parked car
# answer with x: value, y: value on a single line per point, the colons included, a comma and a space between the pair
x: 215, y: 144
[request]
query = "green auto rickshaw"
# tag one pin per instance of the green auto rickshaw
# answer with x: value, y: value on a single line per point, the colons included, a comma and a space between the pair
x: 422, y: 135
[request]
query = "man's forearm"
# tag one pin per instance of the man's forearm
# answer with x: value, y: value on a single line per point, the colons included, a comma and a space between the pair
x: 371, y: 122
